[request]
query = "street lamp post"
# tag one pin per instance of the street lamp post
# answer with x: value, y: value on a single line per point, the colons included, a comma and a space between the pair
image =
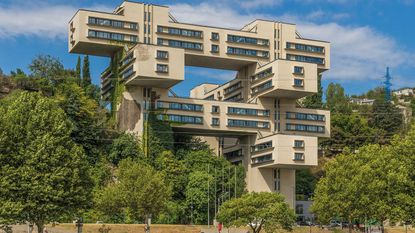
x: 79, y: 224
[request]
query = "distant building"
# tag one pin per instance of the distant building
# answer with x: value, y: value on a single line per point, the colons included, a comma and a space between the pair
x: 403, y: 92
x: 363, y: 101
x: 302, y: 210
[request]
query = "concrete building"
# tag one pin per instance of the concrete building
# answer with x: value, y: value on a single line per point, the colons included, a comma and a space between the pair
x: 363, y: 101
x: 403, y: 92
x: 253, y: 119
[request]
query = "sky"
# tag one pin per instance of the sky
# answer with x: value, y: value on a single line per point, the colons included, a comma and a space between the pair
x: 366, y: 35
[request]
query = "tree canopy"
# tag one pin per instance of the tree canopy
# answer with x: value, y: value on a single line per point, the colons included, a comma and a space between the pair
x: 43, y: 174
x: 262, y: 210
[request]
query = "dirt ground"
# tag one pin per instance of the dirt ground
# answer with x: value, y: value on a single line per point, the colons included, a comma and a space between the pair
x: 160, y: 228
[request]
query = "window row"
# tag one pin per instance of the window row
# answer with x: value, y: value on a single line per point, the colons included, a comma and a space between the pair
x: 262, y: 87
x: 111, y: 23
x: 180, y: 44
x: 235, y: 98
x: 232, y: 88
x: 306, y: 128
x: 248, y: 111
x: 233, y: 154
x: 263, y: 74
x: 180, y: 106
x: 110, y: 36
x: 247, y: 52
x: 316, y: 60
x: 127, y: 59
x: 181, y: 119
x: 247, y: 40
x: 261, y: 147
x: 128, y: 72
x: 306, y: 48
x: 248, y: 124
x: 179, y: 31
x: 305, y: 116
x: 262, y: 159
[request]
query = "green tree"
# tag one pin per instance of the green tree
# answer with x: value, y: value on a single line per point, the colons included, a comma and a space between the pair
x: 373, y: 183
x: 78, y: 71
x: 197, y: 196
x: 140, y: 190
x: 124, y: 146
x: 305, y: 182
x: 315, y: 100
x: 48, y: 67
x: 259, y: 210
x: 349, y: 130
x: 43, y: 173
x: 387, y: 117
x: 87, y: 117
x: 336, y: 100
x: 86, y: 74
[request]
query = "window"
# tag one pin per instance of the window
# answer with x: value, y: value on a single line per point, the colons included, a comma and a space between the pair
x: 247, y: 40
x: 215, y: 48
x: 127, y: 73
x: 162, y: 54
x: 299, y: 209
x: 180, y: 106
x: 233, y: 154
x: 149, y: 29
x: 277, y: 180
x: 306, y: 48
x: 215, y: 36
x: 262, y: 159
x: 263, y: 74
x: 299, y: 144
x: 211, y: 97
x: 133, y: 26
x: 247, y: 124
x: 107, y: 22
x: 298, y: 82
x: 240, y: 51
x: 127, y: 59
x: 162, y: 68
x: 261, y: 147
x: 305, y: 128
x: 235, y: 98
x: 232, y: 88
x: 180, y: 44
x: 247, y: 111
x: 215, y: 109
x: 149, y: 16
x: 133, y: 38
x: 316, y: 60
x: 262, y: 87
x: 298, y: 70
x: 180, y: 32
x: 305, y: 116
x: 110, y: 36
x: 215, y: 121
x: 299, y: 156
x: 181, y: 119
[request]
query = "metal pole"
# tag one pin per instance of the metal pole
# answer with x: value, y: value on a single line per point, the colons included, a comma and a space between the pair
x: 208, y: 209
x: 229, y: 182
x: 235, y: 182
x: 216, y: 191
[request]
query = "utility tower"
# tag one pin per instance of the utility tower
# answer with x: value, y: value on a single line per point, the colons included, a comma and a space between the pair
x: 388, y: 85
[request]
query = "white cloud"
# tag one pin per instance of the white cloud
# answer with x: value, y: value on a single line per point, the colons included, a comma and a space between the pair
x: 46, y: 21
x: 249, y: 4
x: 357, y: 53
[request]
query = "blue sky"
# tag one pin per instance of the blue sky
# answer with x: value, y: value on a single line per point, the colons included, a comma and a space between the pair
x: 366, y: 35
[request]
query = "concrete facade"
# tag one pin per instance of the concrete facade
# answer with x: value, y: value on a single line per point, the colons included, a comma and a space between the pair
x: 253, y: 120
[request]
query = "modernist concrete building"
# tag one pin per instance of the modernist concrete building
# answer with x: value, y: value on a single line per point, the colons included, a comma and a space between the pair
x: 254, y: 119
